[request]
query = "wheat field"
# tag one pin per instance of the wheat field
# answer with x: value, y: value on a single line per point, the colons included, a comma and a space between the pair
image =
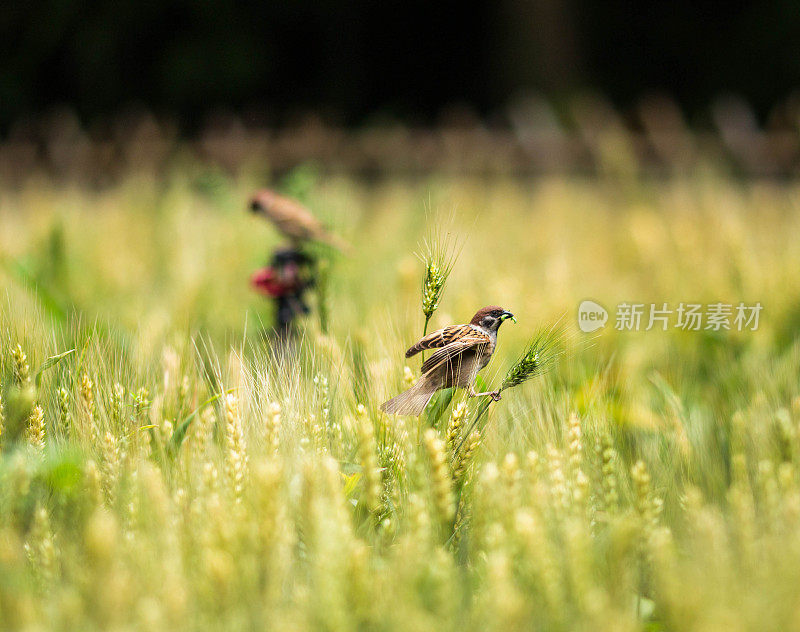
x: 164, y: 466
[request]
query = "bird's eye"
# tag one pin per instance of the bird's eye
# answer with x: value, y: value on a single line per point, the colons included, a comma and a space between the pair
x: 255, y: 206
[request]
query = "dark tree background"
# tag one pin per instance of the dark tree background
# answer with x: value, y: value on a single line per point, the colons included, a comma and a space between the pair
x: 355, y: 60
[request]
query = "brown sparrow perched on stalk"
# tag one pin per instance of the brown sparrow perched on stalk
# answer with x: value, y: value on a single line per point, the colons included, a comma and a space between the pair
x: 293, y: 219
x: 461, y: 351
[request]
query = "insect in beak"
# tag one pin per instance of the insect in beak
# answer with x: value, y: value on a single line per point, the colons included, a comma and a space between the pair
x: 507, y: 315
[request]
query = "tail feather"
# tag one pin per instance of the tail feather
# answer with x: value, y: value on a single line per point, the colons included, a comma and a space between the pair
x: 413, y: 401
x: 334, y: 241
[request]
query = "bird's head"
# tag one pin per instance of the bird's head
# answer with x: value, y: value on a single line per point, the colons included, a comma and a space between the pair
x: 261, y: 201
x: 491, y: 317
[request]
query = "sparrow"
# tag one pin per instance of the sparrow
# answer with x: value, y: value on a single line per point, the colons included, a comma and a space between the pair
x: 461, y: 351
x: 292, y: 219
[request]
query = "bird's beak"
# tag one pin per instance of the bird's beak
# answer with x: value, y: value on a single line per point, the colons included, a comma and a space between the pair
x: 507, y: 315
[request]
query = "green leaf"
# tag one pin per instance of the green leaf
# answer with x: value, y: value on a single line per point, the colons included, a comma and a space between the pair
x: 63, y: 473
x: 51, y: 362
x: 438, y: 405
x: 51, y: 304
x: 480, y: 384
x: 179, y: 434
x: 350, y: 483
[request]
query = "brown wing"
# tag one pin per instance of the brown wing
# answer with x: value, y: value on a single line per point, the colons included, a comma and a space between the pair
x: 447, y: 354
x: 440, y: 338
x: 293, y: 219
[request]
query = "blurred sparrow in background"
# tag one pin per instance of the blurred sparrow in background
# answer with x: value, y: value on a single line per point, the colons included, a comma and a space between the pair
x: 293, y: 219
x: 461, y: 351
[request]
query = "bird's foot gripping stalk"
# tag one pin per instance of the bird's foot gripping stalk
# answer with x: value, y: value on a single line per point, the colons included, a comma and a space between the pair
x: 495, y: 395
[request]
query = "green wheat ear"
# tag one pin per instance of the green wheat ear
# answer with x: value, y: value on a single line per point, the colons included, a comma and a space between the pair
x: 538, y: 358
x: 439, y: 254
